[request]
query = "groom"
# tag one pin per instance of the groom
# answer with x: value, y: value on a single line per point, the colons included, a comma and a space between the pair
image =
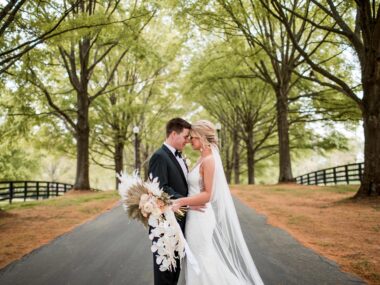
x: 169, y: 166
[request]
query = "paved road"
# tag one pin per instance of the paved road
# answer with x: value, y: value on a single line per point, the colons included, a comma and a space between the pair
x: 113, y: 250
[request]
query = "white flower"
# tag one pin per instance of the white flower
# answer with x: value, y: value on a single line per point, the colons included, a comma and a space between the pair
x: 143, y: 199
x: 153, y: 221
x: 157, y: 232
x: 148, y: 207
x: 156, y: 212
x: 159, y: 259
x: 165, y: 231
x: 165, y: 263
x: 163, y: 268
x: 154, y: 247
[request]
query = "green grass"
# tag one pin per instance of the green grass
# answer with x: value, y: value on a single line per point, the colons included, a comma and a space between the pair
x: 62, y: 201
x: 341, y: 189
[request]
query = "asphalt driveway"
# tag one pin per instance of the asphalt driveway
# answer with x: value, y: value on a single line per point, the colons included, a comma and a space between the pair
x: 113, y: 250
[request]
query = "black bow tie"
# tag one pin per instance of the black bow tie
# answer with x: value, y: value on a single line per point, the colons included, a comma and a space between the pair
x: 178, y: 153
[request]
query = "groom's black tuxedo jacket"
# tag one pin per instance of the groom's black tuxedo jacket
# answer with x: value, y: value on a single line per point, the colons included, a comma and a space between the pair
x: 164, y: 165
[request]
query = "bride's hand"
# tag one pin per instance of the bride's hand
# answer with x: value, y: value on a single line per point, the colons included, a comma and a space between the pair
x: 176, y: 206
x: 198, y: 208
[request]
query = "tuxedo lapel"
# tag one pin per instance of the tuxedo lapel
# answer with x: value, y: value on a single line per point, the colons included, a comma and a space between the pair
x: 175, y: 161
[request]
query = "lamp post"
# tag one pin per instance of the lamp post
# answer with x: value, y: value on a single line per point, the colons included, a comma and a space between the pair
x: 218, y: 127
x: 136, y: 131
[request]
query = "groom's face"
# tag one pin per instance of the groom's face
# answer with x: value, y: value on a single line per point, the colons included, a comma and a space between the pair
x: 181, y: 139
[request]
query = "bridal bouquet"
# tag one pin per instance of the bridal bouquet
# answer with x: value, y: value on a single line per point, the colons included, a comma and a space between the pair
x: 146, y: 202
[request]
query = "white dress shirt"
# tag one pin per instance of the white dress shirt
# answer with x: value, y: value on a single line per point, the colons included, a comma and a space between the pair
x: 180, y: 160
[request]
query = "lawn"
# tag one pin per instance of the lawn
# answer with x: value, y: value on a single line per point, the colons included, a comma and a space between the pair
x: 323, y: 218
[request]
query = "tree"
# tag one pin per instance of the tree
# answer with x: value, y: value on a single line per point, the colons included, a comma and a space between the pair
x: 254, y: 111
x: 272, y: 57
x: 138, y: 86
x: 356, y: 25
x: 18, y: 162
x: 243, y: 106
x: 82, y: 56
x: 25, y: 25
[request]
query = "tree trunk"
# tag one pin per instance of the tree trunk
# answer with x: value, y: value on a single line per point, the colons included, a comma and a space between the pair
x: 371, y: 178
x: 283, y: 138
x: 236, y: 158
x: 137, y: 154
x: 145, y: 157
x: 370, y: 185
x: 228, y: 163
x: 82, y: 180
x: 118, y: 158
x: 250, y: 158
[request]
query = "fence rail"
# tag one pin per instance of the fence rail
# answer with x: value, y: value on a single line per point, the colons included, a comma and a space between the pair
x: 343, y: 174
x: 23, y: 190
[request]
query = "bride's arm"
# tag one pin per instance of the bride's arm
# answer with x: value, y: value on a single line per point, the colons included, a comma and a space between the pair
x: 203, y: 197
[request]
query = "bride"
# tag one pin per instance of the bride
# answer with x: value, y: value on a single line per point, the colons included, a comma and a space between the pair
x: 214, y: 236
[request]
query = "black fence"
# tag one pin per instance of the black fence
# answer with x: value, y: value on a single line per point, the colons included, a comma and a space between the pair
x: 23, y: 190
x: 344, y: 174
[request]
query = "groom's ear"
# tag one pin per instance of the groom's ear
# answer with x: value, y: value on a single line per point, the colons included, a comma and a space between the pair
x: 171, y: 134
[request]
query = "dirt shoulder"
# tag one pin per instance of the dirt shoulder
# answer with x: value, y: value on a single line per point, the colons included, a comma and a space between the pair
x: 324, y: 219
x: 25, y: 226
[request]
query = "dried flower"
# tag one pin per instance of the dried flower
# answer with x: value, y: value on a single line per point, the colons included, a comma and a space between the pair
x: 147, y: 203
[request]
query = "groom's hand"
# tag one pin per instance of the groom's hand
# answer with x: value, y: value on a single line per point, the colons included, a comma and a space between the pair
x: 198, y: 208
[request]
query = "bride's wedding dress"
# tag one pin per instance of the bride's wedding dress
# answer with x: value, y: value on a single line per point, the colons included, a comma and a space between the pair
x: 215, y: 238
x: 199, y: 229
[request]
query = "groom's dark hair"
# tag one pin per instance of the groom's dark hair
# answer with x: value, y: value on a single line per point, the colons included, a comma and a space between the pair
x: 177, y: 125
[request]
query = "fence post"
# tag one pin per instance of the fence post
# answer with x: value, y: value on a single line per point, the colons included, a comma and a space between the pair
x: 38, y: 189
x: 324, y: 176
x: 301, y: 180
x: 346, y: 171
x: 10, y: 192
x: 56, y: 189
x: 334, y: 171
x: 48, y: 190
x: 25, y: 189
x: 316, y: 177
x: 308, y: 179
x: 360, y: 173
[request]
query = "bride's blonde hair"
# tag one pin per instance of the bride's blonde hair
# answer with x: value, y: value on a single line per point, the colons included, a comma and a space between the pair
x: 206, y: 131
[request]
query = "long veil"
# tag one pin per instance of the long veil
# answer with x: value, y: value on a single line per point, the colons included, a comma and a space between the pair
x: 228, y: 238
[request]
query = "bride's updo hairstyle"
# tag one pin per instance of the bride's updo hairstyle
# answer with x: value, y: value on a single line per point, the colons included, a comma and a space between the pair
x: 206, y: 131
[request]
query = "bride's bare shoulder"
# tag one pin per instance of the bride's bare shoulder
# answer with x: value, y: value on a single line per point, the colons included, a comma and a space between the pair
x: 208, y: 158
x: 208, y: 162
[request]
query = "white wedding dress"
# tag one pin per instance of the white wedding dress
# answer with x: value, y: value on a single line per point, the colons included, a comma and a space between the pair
x: 198, y: 233
x: 215, y: 238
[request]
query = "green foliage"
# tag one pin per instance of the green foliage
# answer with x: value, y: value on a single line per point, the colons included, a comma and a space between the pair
x: 17, y: 162
x: 139, y: 96
x: 184, y: 58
